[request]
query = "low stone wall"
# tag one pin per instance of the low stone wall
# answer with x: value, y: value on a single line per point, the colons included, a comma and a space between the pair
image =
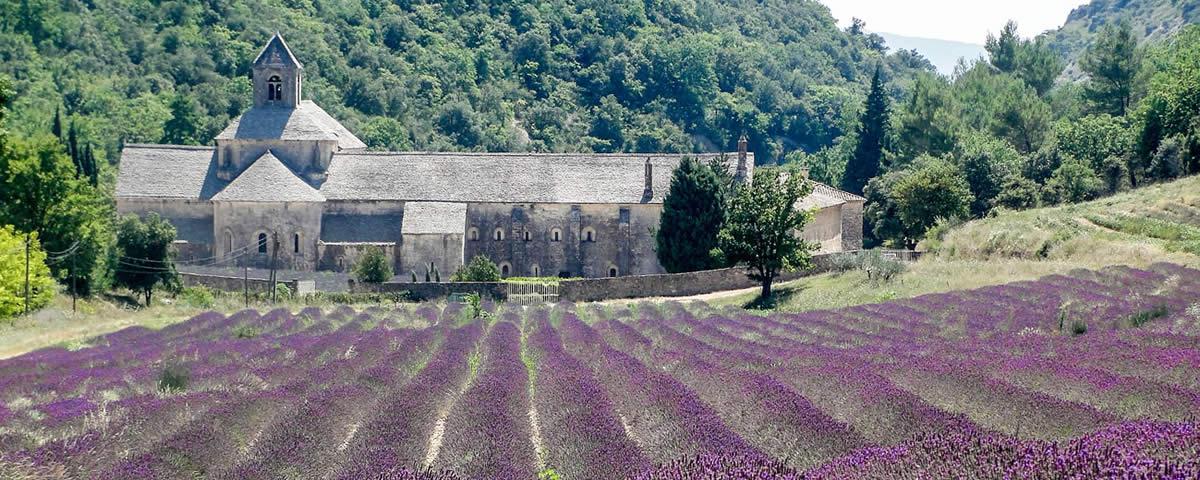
x: 430, y: 290
x: 233, y: 284
x: 674, y: 285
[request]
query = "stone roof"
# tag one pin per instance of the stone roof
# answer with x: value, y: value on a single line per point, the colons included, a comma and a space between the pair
x: 268, y: 180
x: 167, y: 171
x: 434, y: 217
x: 502, y: 177
x: 825, y: 196
x: 307, y: 121
x: 276, y: 53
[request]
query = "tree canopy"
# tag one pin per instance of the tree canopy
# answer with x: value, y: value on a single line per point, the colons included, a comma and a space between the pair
x: 762, y: 224
x: 145, y: 258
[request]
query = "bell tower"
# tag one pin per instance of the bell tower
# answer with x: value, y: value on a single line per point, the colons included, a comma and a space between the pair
x: 277, y: 75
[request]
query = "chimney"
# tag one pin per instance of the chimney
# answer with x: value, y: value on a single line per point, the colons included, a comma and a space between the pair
x: 745, y: 167
x: 648, y: 192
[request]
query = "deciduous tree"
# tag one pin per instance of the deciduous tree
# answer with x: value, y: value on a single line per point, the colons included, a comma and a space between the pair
x: 145, y: 259
x: 761, y: 229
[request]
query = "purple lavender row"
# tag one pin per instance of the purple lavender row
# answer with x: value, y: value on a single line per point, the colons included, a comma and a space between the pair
x: 488, y: 432
x: 581, y: 435
x: 666, y: 419
x: 397, y: 438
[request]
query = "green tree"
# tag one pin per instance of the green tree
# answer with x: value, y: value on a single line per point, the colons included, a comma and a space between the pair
x: 987, y: 163
x: 479, y: 269
x: 929, y: 120
x: 692, y: 216
x: 1038, y: 65
x: 1002, y: 50
x: 145, y: 259
x: 935, y: 188
x: 1111, y: 63
x: 373, y: 266
x: 1073, y: 181
x: 761, y: 230
x: 872, y: 133
x: 1170, y: 161
x: 12, y: 273
x: 1103, y: 141
x: 184, y: 126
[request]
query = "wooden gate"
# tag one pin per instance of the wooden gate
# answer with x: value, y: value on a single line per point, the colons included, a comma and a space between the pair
x: 531, y: 293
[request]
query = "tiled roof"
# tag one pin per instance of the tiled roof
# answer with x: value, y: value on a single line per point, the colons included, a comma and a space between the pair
x: 167, y: 171
x: 434, y: 217
x: 307, y: 121
x: 824, y: 196
x: 276, y: 53
x: 824, y: 189
x: 501, y: 177
x: 268, y: 180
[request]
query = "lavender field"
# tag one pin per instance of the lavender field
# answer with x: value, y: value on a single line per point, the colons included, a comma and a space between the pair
x: 1091, y: 375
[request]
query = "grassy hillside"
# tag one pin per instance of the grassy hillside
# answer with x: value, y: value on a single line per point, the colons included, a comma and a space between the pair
x: 1151, y: 19
x: 1159, y: 223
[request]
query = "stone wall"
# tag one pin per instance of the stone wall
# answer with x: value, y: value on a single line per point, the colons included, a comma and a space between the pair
x: 622, y: 238
x: 231, y: 283
x: 825, y: 229
x: 852, y: 226
x: 429, y: 291
x: 298, y: 224
x: 674, y: 285
x: 343, y: 256
x: 445, y: 250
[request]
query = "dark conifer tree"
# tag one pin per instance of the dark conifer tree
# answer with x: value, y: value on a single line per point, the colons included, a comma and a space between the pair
x: 56, y: 127
x: 872, y: 133
x: 693, y: 213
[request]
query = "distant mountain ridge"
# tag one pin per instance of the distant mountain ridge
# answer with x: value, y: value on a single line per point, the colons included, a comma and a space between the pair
x: 1152, y: 20
x: 943, y: 54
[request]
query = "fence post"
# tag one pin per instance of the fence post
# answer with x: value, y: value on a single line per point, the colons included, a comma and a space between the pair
x: 26, y: 273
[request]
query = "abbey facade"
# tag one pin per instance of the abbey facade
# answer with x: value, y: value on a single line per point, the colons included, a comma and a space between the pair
x: 287, y: 181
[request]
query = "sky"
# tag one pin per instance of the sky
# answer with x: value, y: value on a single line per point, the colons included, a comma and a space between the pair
x: 959, y: 20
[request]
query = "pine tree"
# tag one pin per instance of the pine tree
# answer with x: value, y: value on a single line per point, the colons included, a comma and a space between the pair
x: 693, y: 213
x: 1111, y: 63
x: 56, y: 127
x: 872, y: 133
x: 1002, y: 50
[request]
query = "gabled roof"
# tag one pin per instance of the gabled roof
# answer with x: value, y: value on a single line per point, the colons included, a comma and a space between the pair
x: 276, y: 53
x: 502, y: 177
x: 167, y: 171
x: 824, y: 196
x: 305, y: 122
x: 268, y: 180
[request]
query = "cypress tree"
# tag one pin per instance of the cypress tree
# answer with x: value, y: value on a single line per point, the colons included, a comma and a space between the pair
x: 872, y: 132
x: 693, y: 214
x: 56, y: 127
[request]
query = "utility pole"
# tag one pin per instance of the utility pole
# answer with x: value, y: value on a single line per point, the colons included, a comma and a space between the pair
x: 246, y: 283
x: 74, y: 277
x: 27, y: 273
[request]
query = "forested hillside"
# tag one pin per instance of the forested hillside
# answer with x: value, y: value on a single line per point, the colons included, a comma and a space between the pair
x: 1152, y: 20
x: 563, y: 75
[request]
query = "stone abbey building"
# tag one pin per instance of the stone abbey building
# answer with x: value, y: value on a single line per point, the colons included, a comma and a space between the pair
x: 287, y: 180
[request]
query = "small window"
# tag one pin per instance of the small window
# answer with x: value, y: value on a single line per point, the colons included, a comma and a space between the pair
x: 556, y: 235
x: 296, y: 243
x: 229, y: 243
x: 262, y: 243
x: 535, y: 271
x: 612, y: 271
x: 473, y: 234
x: 504, y: 270
x: 274, y: 88
x: 498, y: 234
x: 589, y: 234
x: 528, y: 236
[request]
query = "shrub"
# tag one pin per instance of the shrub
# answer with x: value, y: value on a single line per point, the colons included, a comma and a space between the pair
x: 880, y: 268
x: 373, y: 267
x: 197, y: 297
x: 480, y: 269
x: 246, y: 331
x: 283, y: 291
x: 173, y: 378
x: 1142, y: 318
x: 1078, y: 328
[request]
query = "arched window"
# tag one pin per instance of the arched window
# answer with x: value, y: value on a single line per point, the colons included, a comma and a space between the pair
x: 274, y: 88
x: 296, y: 243
x: 612, y: 271
x: 498, y: 234
x: 262, y: 243
x: 535, y: 271
x: 528, y: 236
x: 504, y: 270
x: 589, y: 234
x: 228, y: 242
x: 473, y: 234
x: 555, y: 235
